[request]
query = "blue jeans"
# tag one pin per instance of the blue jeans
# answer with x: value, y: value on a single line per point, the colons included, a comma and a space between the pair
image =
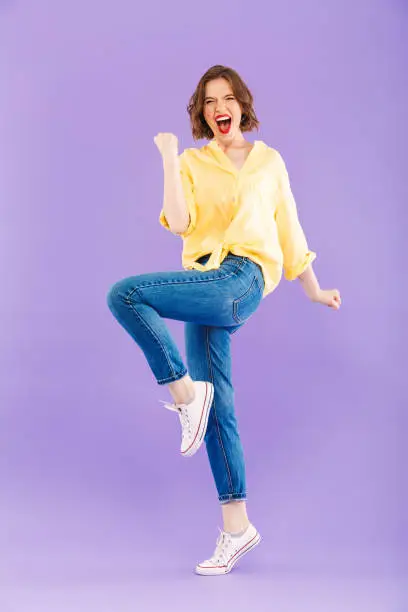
x: 213, y: 305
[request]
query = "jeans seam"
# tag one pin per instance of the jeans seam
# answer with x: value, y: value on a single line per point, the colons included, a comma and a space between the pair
x: 141, y: 319
x: 237, y: 301
x: 215, y: 411
x: 195, y: 280
x: 172, y: 378
x: 232, y: 497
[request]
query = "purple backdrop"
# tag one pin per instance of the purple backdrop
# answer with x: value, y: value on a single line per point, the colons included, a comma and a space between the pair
x: 98, y: 511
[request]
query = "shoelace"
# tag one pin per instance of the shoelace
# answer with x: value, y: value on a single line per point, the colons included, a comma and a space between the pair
x: 221, y: 555
x: 183, y: 414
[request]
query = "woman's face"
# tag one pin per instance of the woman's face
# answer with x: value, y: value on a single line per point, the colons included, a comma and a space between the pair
x: 222, y: 111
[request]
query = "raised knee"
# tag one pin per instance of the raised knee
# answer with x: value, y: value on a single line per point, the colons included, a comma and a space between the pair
x: 115, y: 296
x: 122, y: 293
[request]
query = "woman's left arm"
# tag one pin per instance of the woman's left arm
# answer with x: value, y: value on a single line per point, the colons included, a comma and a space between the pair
x: 310, y: 284
x: 297, y: 258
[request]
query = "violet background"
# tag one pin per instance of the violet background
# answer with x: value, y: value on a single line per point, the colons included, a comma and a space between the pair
x: 98, y: 511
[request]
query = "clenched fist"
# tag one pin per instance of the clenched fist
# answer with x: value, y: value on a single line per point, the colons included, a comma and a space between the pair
x: 167, y: 144
x: 328, y: 297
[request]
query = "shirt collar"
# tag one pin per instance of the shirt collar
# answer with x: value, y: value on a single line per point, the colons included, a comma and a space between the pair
x: 223, y: 159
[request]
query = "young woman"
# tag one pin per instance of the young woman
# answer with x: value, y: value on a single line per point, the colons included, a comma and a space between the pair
x: 232, y: 204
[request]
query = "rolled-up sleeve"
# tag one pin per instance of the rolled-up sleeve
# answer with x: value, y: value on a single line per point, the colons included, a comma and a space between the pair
x: 296, y: 254
x: 188, y: 190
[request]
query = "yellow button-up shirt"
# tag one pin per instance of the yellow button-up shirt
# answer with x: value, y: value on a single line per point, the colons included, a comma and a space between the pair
x: 250, y: 212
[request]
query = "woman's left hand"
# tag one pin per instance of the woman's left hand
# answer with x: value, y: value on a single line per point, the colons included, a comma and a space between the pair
x: 328, y: 297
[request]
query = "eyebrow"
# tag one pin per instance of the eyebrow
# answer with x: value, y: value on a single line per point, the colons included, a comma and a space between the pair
x: 212, y: 98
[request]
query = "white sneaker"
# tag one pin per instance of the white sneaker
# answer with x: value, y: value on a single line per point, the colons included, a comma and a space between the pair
x: 228, y: 551
x: 194, y: 417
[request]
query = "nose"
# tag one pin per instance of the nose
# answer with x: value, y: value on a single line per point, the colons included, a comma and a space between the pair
x: 220, y: 108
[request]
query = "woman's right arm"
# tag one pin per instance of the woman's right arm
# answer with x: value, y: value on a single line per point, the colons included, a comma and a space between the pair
x: 174, y: 202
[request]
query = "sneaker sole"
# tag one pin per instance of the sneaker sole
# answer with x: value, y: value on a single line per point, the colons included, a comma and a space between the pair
x: 220, y: 571
x: 202, y: 428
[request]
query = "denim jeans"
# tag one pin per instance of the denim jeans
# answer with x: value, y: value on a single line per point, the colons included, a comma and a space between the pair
x: 213, y: 305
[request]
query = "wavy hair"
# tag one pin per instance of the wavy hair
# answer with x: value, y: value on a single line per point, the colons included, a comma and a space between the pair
x: 195, y: 108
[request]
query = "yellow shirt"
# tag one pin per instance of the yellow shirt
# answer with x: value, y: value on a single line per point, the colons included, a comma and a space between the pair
x: 250, y: 212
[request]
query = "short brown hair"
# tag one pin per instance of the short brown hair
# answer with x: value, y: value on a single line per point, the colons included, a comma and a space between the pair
x: 195, y: 107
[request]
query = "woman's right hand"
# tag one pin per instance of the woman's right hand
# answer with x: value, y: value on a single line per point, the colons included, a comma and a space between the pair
x: 167, y: 144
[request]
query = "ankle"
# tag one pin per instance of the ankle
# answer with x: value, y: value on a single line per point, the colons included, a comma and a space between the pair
x: 236, y: 528
x: 183, y: 390
x: 235, y: 517
x: 187, y: 399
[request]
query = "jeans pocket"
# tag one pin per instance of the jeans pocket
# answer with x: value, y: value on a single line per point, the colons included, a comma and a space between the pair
x: 246, y: 305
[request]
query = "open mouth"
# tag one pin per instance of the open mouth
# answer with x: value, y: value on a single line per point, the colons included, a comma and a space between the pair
x: 223, y: 124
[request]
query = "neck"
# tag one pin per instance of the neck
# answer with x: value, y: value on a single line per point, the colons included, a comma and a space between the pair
x: 237, y: 142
